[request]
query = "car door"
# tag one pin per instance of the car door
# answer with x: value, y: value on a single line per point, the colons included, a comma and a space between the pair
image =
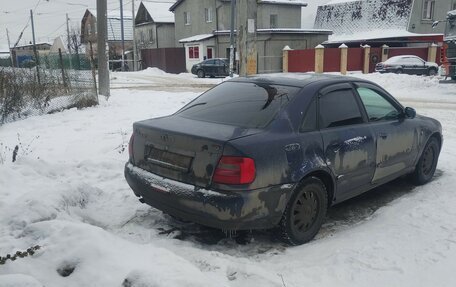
x: 407, y: 65
x: 210, y: 67
x: 223, y: 68
x: 396, y: 136
x: 348, y: 142
x: 421, y: 67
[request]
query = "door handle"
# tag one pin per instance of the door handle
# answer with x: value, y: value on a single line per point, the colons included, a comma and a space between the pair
x: 383, y: 135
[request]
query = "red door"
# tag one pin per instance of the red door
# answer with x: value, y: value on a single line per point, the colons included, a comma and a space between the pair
x: 209, y: 52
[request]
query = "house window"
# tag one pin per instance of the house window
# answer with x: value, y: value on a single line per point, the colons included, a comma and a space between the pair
x: 428, y: 9
x: 193, y: 52
x: 273, y: 21
x: 141, y: 37
x: 186, y: 18
x: 151, y: 36
x: 454, y: 6
x: 208, y: 14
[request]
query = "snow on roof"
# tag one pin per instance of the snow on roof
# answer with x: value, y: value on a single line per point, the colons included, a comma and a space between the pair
x: 159, y: 11
x: 295, y: 30
x: 196, y: 38
x: 451, y: 13
x: 285, y: 2
x: 340, y: 1
x: 373, y: 34
x: 361, y: 16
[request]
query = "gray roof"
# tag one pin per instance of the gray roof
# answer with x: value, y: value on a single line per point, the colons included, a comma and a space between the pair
x: 114, y: 29
x: 114, y: 25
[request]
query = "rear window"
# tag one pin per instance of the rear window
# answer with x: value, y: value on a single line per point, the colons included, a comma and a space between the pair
x: 394, y: 60
x: 249, y: 105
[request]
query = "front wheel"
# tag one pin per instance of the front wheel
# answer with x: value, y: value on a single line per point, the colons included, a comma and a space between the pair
x: 425, y: 168
x: 432, y: 72
x: 399, y: 71
x: 305, y: 212
x: 201, y: 74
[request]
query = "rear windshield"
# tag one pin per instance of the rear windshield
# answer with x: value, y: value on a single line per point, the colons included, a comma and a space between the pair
x: 249, y: 105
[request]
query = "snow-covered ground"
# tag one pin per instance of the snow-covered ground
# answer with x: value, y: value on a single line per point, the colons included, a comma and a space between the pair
x: 66, y: 193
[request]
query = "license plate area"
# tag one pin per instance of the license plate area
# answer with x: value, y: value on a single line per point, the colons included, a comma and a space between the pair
x: 167, y: 159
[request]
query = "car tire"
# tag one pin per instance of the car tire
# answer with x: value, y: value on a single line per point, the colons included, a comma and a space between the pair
x: 425, y: 168
x: 432, y: 72
x: 304, y: 213
x: 201, y: 74
x: 399, y: 71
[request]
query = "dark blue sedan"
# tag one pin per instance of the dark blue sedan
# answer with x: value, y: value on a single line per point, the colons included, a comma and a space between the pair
x: 277, y: 151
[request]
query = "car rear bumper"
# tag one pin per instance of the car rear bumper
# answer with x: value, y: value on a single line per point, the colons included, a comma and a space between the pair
x: 240, y: 210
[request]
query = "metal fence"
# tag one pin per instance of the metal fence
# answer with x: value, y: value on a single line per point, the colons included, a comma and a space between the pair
x: 57, y: 83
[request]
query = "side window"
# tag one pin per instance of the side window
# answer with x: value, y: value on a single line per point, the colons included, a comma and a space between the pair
x: 377, y: 107
x: 309, y: 122
x: 339, y: 108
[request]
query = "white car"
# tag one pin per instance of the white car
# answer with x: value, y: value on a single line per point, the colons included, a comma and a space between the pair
x: 407, y: 64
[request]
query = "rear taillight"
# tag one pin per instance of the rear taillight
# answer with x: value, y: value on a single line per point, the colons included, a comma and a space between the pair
x: 130, y: 146
x: 235, y: 170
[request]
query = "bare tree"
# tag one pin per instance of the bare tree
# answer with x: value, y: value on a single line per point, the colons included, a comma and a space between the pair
x: 75, y: 43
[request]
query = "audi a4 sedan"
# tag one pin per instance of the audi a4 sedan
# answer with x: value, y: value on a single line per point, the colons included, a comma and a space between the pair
x: 212, y: 67
x: 407, y: 64
x: 278, y: 151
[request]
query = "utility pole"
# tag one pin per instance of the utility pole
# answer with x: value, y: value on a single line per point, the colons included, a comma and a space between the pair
x: 246, y: 35
x: 135, y: 53
x: 37, y: 60
x: 102, y: 30
x: 68, y: 33
x: 122, y: 34
x: 233, y: 11
x: 69, y: 41
x: 9, y: 48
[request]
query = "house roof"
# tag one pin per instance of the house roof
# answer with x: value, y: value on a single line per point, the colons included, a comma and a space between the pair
x: 114, y: 25
x: 373, y: 35
x: 196, y: 38
x: 159, y: 12
x: 355, y: 16
x: 274, y: 2
x: 282, y: 31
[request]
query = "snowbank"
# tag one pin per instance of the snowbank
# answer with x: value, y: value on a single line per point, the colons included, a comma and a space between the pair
x: 68, y: 194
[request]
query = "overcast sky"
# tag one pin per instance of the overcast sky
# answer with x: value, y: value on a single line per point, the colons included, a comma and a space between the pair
x: 49, y: 16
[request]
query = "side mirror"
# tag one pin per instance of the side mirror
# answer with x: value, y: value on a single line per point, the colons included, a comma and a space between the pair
x: 410, y: 112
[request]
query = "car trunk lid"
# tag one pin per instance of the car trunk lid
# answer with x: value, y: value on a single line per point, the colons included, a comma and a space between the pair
x: 183, y: 149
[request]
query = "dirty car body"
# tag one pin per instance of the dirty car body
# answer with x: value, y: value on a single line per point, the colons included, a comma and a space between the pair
x: 233, y: 157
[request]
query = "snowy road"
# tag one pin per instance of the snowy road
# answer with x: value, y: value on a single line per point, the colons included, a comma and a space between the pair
x: 67, y: 193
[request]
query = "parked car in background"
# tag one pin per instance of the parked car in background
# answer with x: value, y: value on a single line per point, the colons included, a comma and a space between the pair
x: 276, y: 151
x: 218, y: 67
x: 407, y: 64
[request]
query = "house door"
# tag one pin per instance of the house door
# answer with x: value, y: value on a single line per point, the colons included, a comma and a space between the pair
x: 210, y: 52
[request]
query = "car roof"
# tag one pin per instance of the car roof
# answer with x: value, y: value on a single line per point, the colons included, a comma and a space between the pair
x: 297, y: 79
x: 405, y: 56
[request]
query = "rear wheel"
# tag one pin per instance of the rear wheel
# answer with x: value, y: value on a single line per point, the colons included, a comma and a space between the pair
x: 201, y: 74
x: 305, y: 212
x: 425, y: 168
x: 432, y: 72
x: 399, y: 71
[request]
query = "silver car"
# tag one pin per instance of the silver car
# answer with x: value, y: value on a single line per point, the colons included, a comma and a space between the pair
x: 407, y: 64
